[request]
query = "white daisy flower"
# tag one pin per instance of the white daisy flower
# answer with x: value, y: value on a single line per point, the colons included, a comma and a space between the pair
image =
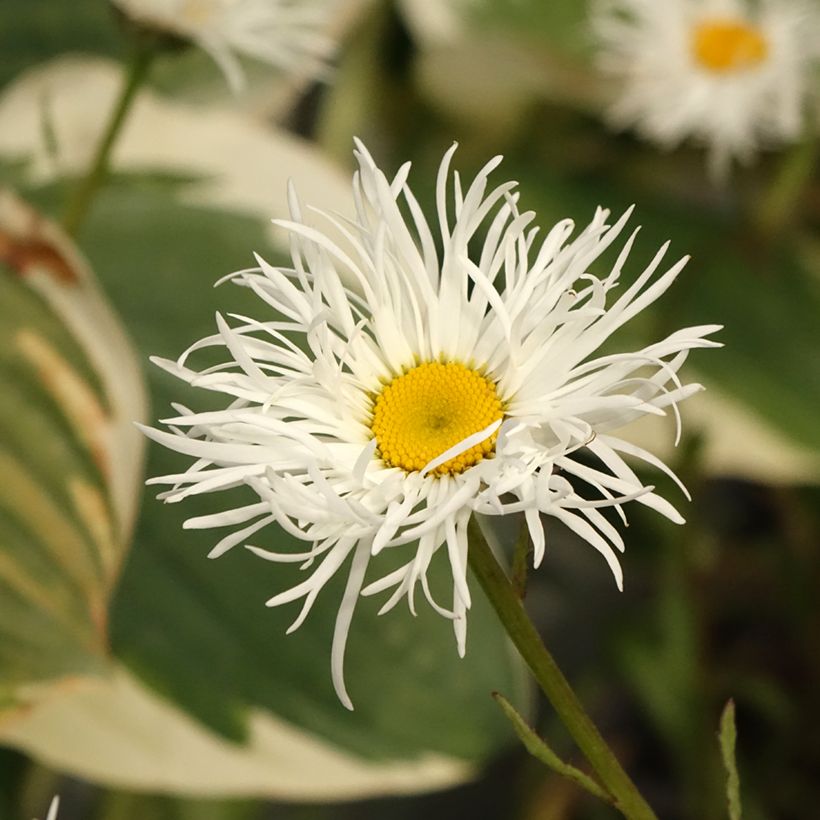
x: 732, y: 74
x: 285, y: 33
x: 405, y: 378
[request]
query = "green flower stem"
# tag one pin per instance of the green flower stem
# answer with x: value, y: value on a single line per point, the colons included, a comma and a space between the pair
x: 80, y: 202
x: 780, y: 201
x: 521, y: 561
x: 555, y: 686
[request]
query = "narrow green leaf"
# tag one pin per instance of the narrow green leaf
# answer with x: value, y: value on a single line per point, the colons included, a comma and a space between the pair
x: 728, y: 738
x: 538, y: 748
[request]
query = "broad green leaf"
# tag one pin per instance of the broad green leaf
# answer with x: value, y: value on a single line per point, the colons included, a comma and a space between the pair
x: 70, y: 458
x: 240, y: 164
x: 199, y: 651
x: 119, y: 732
x: 414, y: 694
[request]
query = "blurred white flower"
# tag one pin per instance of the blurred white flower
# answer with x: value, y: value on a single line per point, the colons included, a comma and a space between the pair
x: 288, y: 34
x: 395, y: 389
x: 732, y: 74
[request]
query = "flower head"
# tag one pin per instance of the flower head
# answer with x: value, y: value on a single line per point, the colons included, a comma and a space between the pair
x: 284, y: 33
x: 731, y: 74
x: 405, y: 379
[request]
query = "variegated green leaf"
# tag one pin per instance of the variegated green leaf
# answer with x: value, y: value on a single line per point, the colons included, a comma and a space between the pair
x: 70, y: 460
x: 204, y: 671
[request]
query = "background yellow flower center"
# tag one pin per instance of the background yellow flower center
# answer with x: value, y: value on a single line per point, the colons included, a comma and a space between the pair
x: 727, y: 45
x: 425, y: 411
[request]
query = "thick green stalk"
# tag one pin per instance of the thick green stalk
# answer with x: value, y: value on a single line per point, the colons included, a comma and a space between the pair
x: 551, y: 680
x: 80, y: 202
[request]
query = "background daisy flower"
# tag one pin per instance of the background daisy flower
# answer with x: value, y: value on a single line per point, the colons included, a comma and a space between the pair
x: 731, y: 74
x: 284, y: 33
x: 395, y: 389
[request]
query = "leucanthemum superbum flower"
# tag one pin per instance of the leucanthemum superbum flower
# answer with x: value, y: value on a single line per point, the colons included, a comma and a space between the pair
x: 404, y: 380
x: 733, y: 75
x: 284, y: 33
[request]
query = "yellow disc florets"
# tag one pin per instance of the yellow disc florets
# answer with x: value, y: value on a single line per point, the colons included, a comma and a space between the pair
x: 430, y: 408
x: 723, y: 46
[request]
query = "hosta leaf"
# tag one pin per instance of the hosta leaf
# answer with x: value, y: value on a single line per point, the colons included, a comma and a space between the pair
x: 411, y: 691
x: 207, y: 672
x: 119, y: 732
x: 69, y: 457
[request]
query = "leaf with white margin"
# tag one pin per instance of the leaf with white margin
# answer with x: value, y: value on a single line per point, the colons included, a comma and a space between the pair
x: 70, y: 459
x: 122, y: 734
x: 195, y: 630
x: 729, y: 428
x: 244, y: 164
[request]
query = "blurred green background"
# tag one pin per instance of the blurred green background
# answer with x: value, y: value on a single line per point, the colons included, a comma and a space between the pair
x: 724, y: 607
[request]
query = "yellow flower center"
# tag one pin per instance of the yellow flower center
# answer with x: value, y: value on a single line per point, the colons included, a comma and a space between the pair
x: 431, y: 408
x: 723, y: 46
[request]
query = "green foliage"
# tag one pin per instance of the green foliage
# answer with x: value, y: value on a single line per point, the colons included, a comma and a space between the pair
x: 735, y: 613
x: 757, y: 293
x: 728, y: 738
x: 559, y: 25
x: 55, y: 569
x: 35, y: 31
x: 539, y: 749
x: 198, y: 630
